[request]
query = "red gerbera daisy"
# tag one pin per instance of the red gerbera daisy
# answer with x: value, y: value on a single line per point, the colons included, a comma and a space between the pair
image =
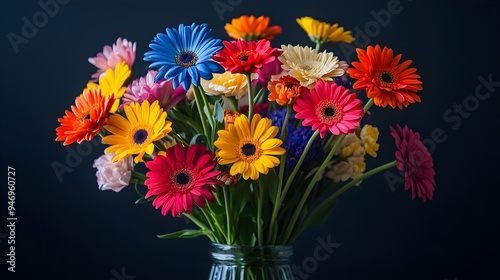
x: 329, y: 107
x: 384, y: 80
x: 415, y: 161
x: 183, y: 176
x: 86, y: 118
x: 240, y: 56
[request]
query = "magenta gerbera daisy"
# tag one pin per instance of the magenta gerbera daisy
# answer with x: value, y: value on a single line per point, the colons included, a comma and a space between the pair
x: 180, y: 177
x: 413, y: 158
x: 329, y: 107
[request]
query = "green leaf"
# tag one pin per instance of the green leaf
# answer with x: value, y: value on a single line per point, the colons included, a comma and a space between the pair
x: 240, y: 195
x: 185, y: 233
x: 319, y: 214
x: 245, y: 233
x: 260, y: 95
x: 218, y: 112
x: 269, y: 184
x: 198, y: 139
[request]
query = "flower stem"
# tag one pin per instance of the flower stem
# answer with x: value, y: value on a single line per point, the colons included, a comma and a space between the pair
x: 139, y: 175
x: 203, y: 227
x: 229, y: 220
x: 368, y: 105
x: 277, y: 204
x: 198, y: 101
x: 318, y: 173
x: 250, y: 96
x: 281, y: 174
x: 260, y: 199
x: 213, y: 225
x: 356, y: 180
x: 318, y: 46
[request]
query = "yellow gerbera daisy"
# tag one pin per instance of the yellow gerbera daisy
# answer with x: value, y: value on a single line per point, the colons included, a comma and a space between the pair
x: 322, y: 32
x: 135, y: 134
x: 308, y: 65
x: 112, y: 83
x: 250, y: 147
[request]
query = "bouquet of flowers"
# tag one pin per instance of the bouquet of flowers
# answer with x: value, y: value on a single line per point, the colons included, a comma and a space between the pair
x: 253, y: 143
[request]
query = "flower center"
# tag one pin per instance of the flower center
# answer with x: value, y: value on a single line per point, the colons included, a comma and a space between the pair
x: 186, y: 59
x: 386, y: 77
x: 328, y: 113
x: 243, y: 55
x: 182, y: 179
x: 140, y: 136
x: 249, y: 150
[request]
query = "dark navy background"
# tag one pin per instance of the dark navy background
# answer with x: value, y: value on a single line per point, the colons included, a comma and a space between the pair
x: 68, y: 229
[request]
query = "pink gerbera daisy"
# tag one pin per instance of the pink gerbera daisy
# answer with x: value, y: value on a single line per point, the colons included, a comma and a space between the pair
x: 183, y: 176
x: 329, y: 107
x: 122, y: 50
x: 145, y: 88
x: 415, y: 161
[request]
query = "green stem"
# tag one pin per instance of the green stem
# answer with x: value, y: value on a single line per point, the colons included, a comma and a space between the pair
x: 318, y: 46
x: 355, y: 181
x: 368, y: 105
x: 139, y: 175
x: 198, y: 101
x: 260, y: 199
x: 213, y: 225
x: 203, y: 227
x: 229, y: 220
x: 250, y: 96
x: 277, y: 204
x: 318, y: 173
x: 207, y: 105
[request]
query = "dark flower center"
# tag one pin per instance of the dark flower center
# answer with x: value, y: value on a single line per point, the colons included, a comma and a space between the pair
x: 248, y: 149
x: 182, y: 178
x: 186, y: 59
x: 387, y: 78
x: 243, y: 57
x: 140, y: 136
x: 329, y: 111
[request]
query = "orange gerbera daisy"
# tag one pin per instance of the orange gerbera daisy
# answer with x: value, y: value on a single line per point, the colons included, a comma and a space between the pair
x: 384, y: 79
x: 86, y: 118
x: 285, y: 90
x: 251, y: 28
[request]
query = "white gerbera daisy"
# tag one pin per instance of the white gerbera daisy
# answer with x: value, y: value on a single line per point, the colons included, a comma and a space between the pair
x: 308, y: 66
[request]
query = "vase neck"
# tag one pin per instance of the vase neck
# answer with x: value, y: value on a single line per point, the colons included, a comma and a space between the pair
x: 251, y: 255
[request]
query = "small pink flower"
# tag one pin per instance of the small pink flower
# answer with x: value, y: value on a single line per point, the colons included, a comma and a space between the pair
x: 268, y: 72
x: 122, y: 50
x: 145, y: 88
x: 113, y: 176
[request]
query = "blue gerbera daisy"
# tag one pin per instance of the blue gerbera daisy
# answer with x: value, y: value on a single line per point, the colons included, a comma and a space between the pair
x: 184, y: 55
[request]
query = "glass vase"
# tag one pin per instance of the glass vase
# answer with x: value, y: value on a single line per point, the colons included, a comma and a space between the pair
x: 271, y: 262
